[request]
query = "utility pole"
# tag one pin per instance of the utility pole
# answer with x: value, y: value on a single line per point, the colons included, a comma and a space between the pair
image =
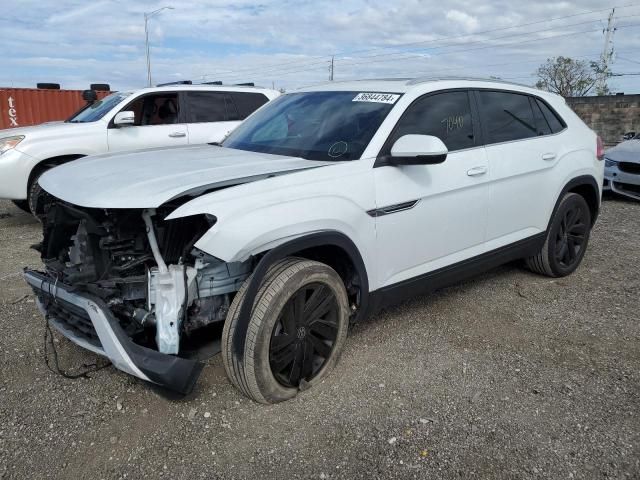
x: 607, y: 54
x: 331, y: 69
x: 147, y: 16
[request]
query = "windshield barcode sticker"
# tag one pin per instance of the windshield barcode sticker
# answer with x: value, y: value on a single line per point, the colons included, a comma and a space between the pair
x: 377, y: 97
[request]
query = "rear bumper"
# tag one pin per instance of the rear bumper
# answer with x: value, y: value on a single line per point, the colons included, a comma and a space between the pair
x: 87, y: 322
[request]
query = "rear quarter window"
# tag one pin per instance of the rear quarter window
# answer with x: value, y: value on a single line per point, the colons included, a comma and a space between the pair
x: 553, y: 119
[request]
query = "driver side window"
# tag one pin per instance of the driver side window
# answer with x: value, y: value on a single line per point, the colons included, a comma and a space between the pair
x: 157, y: 109
x: 443, y: 115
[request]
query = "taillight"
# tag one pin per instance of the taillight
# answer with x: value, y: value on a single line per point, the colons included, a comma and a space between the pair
x: 599, y: 149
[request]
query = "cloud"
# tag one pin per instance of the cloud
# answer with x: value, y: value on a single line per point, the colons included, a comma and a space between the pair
x: 290, y: 42
x: 465, y: 20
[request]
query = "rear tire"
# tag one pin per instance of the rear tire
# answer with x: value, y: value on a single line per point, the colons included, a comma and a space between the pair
x: 567, y: 239
x: 296, y: 333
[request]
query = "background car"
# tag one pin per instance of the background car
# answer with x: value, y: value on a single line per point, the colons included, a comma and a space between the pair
x: 167, y: 116
x: 622, y: 168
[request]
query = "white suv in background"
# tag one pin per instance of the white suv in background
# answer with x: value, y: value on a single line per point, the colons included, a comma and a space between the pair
x: 152, y: 117
x: 325, y: 205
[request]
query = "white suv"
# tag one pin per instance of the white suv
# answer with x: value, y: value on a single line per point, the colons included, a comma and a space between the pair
x: 151, y: 117
x: 322, y: 207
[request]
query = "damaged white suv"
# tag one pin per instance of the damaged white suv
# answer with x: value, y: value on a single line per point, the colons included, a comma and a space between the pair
x: 322, y: 207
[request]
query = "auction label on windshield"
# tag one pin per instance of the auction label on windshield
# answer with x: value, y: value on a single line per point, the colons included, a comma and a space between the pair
x: 376, y: 97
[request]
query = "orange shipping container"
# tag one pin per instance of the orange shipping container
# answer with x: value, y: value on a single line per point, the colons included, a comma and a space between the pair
x: 20, y: 107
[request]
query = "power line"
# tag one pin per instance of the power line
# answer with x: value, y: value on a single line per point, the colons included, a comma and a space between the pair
x: 286, y: 71
x: 627, y: 59
x: 366, y: 60
x: 463, y: 50
x: 249, y: 70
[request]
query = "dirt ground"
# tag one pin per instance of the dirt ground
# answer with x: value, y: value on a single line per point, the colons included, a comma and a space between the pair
x: 510, y: 375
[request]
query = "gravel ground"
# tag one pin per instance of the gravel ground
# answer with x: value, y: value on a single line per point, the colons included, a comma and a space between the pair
x: 510, y: 375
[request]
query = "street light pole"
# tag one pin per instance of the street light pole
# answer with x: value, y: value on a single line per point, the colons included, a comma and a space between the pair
x: 147, y: 16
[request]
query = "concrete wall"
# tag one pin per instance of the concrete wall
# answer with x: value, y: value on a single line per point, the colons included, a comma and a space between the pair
x: 610, y: 116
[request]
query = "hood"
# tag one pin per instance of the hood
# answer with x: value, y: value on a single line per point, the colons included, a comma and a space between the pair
x: 627, y: 151
x: 48, y: 128
x: 149, y: 178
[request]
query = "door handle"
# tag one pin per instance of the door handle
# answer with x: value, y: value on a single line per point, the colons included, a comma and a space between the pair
x: 177, y: 134
x: 475, y: 171
x: 549, y: 156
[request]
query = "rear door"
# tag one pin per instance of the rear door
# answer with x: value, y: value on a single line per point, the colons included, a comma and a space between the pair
x: 523, y: 146
x: 158, y: 123
x: 431, y: 216
x: 212, y: 115
x: 209, y: 116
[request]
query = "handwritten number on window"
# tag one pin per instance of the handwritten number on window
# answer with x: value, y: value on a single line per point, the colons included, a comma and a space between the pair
x: 453, y: 122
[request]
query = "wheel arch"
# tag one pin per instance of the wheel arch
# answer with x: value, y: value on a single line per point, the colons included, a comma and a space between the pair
x: 585, y: 186
x: 331, y: 247
x: 48, y: 163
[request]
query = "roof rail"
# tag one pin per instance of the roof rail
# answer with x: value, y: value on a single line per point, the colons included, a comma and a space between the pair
x: 426, y: 79
x: 178, y: 82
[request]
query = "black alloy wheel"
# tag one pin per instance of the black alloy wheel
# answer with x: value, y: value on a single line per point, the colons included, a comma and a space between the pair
x: 303, y: 337
x: 571, y: 236
x: 297, y: 329
x: 566, y: 238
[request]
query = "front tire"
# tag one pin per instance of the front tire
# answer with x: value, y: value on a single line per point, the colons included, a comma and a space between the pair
x: 566, y: 240
x: 296, y: 333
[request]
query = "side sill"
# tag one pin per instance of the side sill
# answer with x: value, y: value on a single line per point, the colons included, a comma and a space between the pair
x: 452, y: 274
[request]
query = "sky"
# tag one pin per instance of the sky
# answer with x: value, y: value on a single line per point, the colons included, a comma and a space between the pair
x: 289, y: 44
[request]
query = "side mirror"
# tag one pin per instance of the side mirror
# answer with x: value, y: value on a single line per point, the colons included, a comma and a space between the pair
x: 89, y: 96
x: 122, y: 119
x: 418, y: 150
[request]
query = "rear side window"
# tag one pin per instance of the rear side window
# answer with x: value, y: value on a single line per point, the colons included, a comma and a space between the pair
x: 555, y: 124
x: 443, y: 115
x: 206, y: 107
x: 507, y: 116
x: 247, y: 103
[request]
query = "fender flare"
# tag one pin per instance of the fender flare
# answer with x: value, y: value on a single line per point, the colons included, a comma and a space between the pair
x: 586, y: 180
x: 331, y: 237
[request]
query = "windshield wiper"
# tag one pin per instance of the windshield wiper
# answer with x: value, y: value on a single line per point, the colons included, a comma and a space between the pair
x: 215, y: 144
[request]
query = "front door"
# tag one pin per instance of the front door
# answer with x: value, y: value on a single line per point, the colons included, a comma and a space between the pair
x: 431, y: 216
x: 158, y: 123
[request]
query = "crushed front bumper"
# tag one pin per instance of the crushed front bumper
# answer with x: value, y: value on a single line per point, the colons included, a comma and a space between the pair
x: 88, y: 322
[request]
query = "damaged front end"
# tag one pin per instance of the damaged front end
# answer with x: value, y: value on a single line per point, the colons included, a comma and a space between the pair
x: 127, y: 284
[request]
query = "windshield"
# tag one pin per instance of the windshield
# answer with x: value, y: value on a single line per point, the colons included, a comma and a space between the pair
x: 314, y: 125
x: 98, y: 109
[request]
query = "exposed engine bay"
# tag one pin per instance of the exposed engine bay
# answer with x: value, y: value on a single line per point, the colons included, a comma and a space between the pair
x: 145, y: 269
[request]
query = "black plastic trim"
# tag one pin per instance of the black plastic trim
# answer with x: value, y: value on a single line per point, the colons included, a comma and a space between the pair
x: 398, y: 207
x: 454, y: 273
x: 577, y: 182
